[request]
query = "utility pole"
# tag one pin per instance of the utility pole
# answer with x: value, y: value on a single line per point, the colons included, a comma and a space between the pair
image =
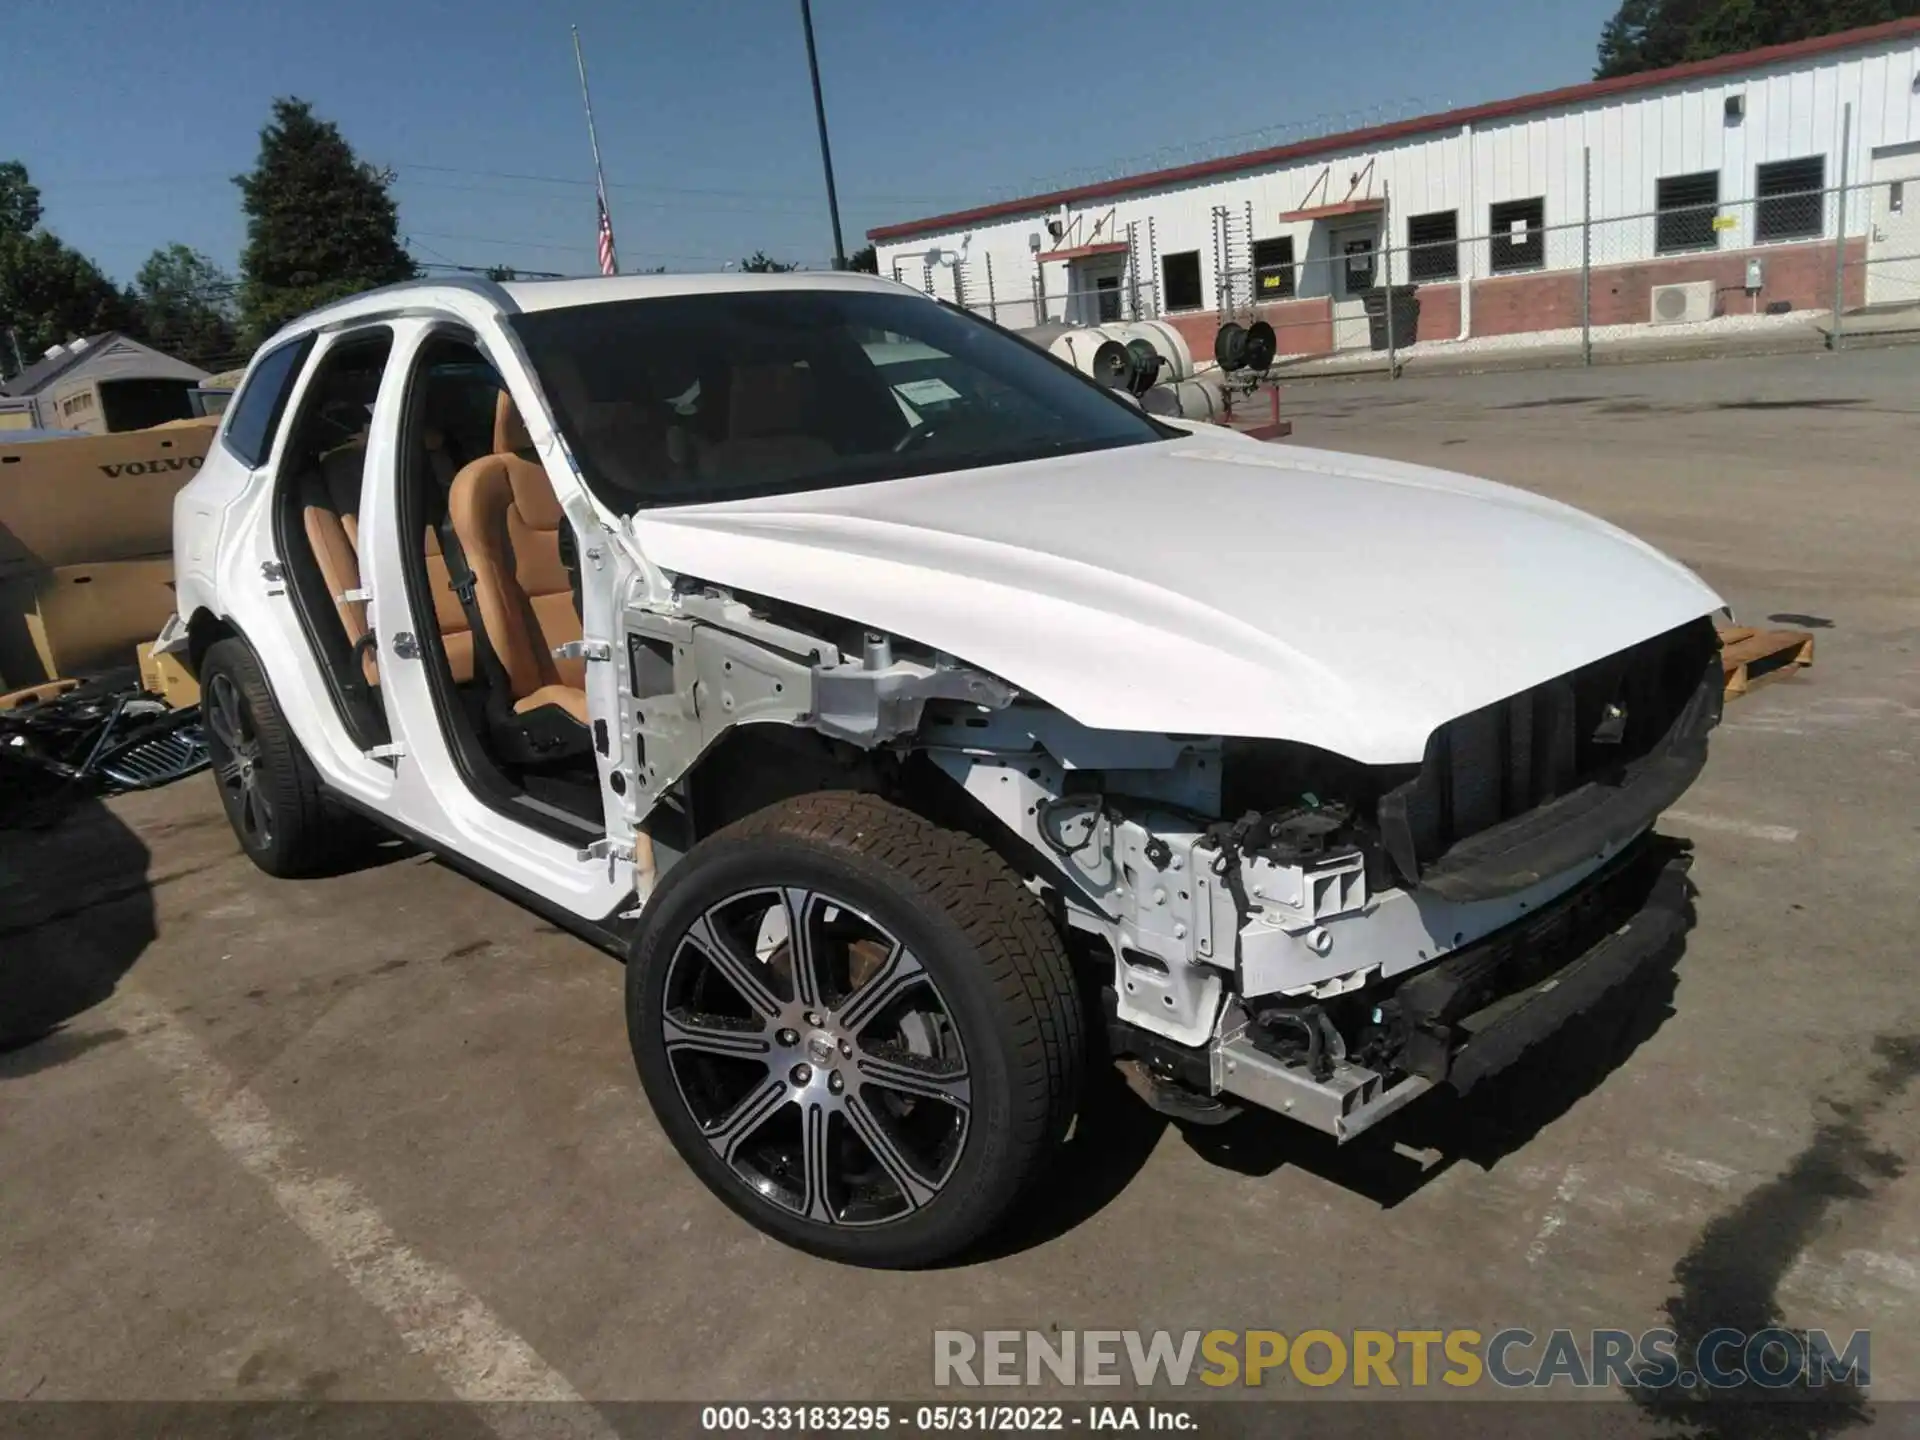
x: 826, y: 152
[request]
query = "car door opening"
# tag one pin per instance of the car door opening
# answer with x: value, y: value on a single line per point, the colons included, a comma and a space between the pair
x: 494, y: 583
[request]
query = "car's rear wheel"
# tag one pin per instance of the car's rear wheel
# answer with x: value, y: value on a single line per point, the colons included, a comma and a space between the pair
x: 268, y: 787
x: 859, y: 1029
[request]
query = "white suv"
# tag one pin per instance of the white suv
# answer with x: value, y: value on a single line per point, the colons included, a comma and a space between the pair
x: 918, y: 718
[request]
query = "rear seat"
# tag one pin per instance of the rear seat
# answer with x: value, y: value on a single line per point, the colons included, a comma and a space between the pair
x: 329, y: 507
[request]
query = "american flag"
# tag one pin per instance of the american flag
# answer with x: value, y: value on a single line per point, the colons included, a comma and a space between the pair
x: 609, y: 262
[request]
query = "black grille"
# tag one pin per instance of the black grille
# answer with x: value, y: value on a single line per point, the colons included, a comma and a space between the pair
x: 1591, y: 724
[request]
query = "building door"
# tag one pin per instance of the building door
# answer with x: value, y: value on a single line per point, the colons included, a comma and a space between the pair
x: 1355, y: 250
x: 1893, y: 241
x: 1094, y: 295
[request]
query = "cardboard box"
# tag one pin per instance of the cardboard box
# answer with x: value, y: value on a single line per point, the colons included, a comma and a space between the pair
x: 102, y: 497
x: 79, y: 619
x: 165, y: 676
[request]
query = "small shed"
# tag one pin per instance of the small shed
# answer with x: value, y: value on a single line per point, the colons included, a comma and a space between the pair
x: 99, y: 384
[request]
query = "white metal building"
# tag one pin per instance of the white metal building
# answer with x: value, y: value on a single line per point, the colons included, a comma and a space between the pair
x: 1514, y: 211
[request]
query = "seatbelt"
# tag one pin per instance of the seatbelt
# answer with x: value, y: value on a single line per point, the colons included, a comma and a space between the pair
x: 570, y: 557
x: 460, y: 577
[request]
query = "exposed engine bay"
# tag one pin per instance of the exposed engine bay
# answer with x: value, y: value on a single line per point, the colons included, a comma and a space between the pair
x: 1284, y: 926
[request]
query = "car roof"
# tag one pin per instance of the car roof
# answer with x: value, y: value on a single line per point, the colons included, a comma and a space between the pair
x: 462, y: 295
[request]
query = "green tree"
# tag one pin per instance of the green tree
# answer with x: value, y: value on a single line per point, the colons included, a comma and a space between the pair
x: 761, y: 263
x: 51, y: 293
x: 186, y: 306
x: 1653, y: 34
x: 19, y: 199
x: 865, y: 258
x: 321, y: 222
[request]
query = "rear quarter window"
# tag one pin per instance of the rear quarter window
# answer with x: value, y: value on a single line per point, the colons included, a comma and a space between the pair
x: 254, y: 415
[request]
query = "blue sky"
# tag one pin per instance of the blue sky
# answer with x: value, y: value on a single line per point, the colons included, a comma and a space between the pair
x: 133, y: 114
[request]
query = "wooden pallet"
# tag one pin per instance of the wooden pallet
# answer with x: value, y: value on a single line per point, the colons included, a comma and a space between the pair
x: 1750, y: 656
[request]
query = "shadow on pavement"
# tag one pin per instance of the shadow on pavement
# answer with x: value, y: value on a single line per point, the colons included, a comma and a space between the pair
x: 76, y: 911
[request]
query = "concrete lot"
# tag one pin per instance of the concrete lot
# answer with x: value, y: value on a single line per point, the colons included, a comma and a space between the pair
x: 379, y: 1136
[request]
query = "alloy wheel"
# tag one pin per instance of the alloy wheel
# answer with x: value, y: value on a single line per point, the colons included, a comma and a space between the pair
x: 233, y: 744
x: 817, y: 1056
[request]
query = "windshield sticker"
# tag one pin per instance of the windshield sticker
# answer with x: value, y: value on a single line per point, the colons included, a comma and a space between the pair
x: 930, y: 391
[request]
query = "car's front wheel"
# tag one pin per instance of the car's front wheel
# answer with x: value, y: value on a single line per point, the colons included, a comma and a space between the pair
x: 268, y: 787
x: 860, y: 1029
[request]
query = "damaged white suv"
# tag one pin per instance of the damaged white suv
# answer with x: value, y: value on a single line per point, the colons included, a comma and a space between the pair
x: 919, y: 718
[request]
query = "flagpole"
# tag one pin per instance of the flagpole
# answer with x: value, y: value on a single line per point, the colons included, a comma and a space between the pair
x: 593, y: 135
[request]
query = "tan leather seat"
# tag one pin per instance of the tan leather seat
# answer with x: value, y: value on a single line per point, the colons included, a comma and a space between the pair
x: 770, y: 413
x: 330, y: 514
x: 508, y: 522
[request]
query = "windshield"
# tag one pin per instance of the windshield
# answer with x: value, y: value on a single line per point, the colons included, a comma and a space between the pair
x: 688, y: 399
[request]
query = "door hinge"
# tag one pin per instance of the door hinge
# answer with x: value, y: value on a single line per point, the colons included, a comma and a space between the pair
x: 583, y: 650
x: 405, y: 647
x: 392, y: 750
x: 358, y: 596
x: 606, y: 850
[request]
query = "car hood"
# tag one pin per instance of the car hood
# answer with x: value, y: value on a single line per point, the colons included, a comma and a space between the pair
x: 1210, y: 584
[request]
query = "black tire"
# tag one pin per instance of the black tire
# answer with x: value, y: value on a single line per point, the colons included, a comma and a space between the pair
x: 272, y: 795
x: 988, y: 955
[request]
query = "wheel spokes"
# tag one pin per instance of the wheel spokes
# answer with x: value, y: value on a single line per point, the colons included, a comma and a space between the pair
x: 899, y: 974
x: 223, y: 716
x: 911, y: 1076
x: 816, y: 1201
x: 756, y: 1107
x: 872, y: 1132
x: 688, y: 1032
x: 738, y: 970
x: 803, y: 952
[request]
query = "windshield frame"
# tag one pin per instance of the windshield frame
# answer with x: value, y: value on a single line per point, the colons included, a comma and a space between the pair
x: 533, y: 336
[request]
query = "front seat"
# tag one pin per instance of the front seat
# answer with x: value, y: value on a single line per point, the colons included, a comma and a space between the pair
x: 509, y: 525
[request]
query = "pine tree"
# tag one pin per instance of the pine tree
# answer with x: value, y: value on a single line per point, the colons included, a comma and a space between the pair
x: 1653, y: 34
x: 321, y: 223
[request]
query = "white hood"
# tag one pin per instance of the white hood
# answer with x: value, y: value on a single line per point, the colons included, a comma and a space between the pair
x: 1211, y: 585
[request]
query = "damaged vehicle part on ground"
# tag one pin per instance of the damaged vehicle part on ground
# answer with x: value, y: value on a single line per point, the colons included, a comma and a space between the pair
x: 912, y: 714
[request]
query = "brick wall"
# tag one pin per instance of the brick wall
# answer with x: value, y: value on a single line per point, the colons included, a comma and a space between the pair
x: 1300, y: 327
x: 1801, y: 275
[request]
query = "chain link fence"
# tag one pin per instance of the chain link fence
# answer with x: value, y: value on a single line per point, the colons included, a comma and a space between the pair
x: 1379, y: 281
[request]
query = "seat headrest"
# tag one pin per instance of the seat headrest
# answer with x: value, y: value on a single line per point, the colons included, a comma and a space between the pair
x: 510, y: 435
x: 769, y: 400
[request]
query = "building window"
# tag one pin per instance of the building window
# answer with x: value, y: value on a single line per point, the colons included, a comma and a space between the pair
x: 1792, y: 206
x: 1518, y: 228
x: 1180, y: 279
x: 1687, y: 204
x: 1433, y: 246
x: 1273, y: 268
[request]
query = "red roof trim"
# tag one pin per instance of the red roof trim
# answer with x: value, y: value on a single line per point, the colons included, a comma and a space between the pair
x: 1086, y: 252
x: 1378, y: 134
x: 1366, y: 205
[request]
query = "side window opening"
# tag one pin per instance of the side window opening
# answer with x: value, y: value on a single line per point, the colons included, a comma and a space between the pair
x: 254, y: 417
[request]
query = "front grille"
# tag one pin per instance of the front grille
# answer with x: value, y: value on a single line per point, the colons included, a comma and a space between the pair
x: 1516, y: 755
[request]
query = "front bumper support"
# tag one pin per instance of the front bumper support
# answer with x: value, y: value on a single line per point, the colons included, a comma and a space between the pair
x: 1474, y: 1013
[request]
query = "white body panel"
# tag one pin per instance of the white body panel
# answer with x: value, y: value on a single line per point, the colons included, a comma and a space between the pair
x: 1211, y: 585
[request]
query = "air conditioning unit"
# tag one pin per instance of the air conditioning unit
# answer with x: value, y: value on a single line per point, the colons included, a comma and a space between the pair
x: 1680, y: 304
